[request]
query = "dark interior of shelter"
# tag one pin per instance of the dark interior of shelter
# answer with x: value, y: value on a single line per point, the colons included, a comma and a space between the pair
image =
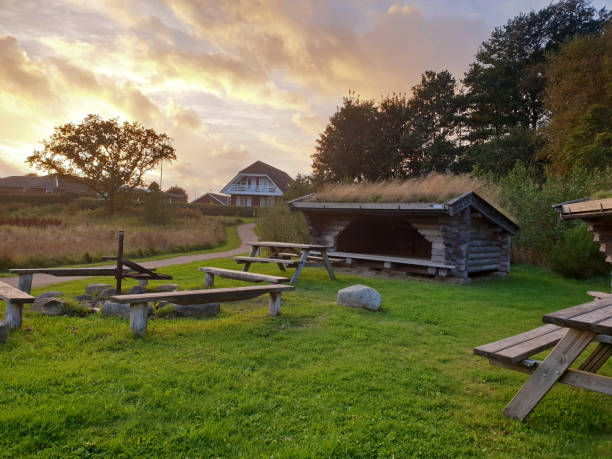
x: 383, y: 235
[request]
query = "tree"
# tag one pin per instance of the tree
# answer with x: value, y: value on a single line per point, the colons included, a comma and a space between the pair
x: 579, y: 98
x: 154, y: 186
x: 506, y: 82
x: 110, y: 157
x: 301, y: 186
x: 343, y: 150
x: 178, y: 190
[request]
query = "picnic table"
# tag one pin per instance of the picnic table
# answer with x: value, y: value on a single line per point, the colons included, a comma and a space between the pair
x: 572, y: 330
x: 289, y: 255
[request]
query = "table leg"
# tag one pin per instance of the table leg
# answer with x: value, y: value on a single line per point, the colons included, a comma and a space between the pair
x: 25, y: 283
x: 139, y: 315
x: 14, y: 314
x: 328, y: 265
x: 598, y: 357
x: 300, y: 265
x: 253, y: 253
x: 548, y: 373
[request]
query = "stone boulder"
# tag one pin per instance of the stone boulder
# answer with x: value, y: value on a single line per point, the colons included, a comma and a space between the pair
x: 4, y: 331
x: 48, y: 306
x: 87, y: 299
x: 197, y: 310
x: 137, y: 289
x: 360, y: 296
x: 95, y: 289
x: 166, y: 288
x: 106, y: 294
x: 52, y: 294
x: 111, y: 308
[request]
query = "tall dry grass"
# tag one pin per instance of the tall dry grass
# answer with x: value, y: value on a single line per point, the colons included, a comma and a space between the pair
x: 432, y: 188
x: 84, y: 243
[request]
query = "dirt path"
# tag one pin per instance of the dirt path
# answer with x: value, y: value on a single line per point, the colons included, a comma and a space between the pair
x: 245, y: 232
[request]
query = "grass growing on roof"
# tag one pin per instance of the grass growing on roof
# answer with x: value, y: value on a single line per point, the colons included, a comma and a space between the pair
x: 319, y: 380
x: 432, y: 188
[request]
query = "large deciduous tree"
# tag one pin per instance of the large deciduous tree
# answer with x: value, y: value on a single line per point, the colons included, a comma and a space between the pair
x: 505, y: 85
x: 109, y: 156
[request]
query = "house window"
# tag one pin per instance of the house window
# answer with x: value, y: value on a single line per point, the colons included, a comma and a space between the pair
x: 244, y: 201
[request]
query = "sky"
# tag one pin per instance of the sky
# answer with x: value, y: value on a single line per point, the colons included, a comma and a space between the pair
x: 231, y: 81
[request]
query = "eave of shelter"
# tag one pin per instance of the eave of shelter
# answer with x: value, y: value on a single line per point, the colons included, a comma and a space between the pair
x: 586, y: 210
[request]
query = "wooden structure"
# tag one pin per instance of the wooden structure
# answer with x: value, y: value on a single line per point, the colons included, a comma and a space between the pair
x: 571, y: 330
x: 598, y: 214
x: 210, y: 273
x: 15, y: 299
x: 257, y: 185
x: 139, y: 308
x: 124, y: 269
x: 299, y: 257
x: 461, y: 237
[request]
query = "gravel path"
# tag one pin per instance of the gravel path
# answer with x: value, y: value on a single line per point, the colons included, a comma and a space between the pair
x: 245, y: 232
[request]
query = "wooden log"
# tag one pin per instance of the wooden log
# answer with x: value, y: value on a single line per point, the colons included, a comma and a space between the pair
x: 14, y: 314
x: 139, y: 315
x: 484, y: 255
x: 25, y: 283
x: 60, y: 272
x: 275, y: 304
x: 483, y: 268
x: 209, y: 279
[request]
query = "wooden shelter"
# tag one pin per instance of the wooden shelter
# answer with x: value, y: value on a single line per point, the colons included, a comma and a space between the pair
x: 598, y: 214
x: 460, y: 238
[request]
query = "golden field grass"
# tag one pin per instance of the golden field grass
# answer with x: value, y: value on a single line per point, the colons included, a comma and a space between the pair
x: 432, y: 188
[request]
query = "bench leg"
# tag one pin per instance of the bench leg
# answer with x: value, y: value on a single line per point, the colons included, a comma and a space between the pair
x: 298, y: 269
x: 275, y: 304
x: 209, y: 279
x: 25, y: 283
x: 328, y: 265
x: 598, y: 357
x: 14, y: 314
x: 548, y: 373
x: 139, y: 314
x: 253, y: 253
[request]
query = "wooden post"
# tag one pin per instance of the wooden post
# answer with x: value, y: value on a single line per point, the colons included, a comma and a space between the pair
x: 275, y: 304
x: 139, y: 315
x: 25, y: 283
x: 209, y: 279
x: 119, y: 269
x: 253, y: 253
x: 300, y: 265
x: 14, y: 314
x: 328, y: 265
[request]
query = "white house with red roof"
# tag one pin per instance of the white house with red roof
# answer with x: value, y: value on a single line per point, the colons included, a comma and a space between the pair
x: 257, y: 185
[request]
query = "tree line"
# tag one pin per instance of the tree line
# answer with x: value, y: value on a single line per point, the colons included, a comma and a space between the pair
x: 539, y: 91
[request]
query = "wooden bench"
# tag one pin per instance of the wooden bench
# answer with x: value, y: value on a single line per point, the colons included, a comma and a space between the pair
x: 513, y: 353
x: 418, y: 265
x: 139, y: 302
x: 210, y: 273
x: 282, y: 263
x: 15, y: 299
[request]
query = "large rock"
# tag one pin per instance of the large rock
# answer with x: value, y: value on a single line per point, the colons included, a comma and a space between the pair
x: 106, y: 294
x: 4, y: 331
x: 360, y: 296
x: 95, y: 289
x: 111, y: 308
x: 197, y: 310
x: 137, y: 289
x: 85, y: 298
x: 166, y: 288
x: 48, y: 306
x: 52, y: 294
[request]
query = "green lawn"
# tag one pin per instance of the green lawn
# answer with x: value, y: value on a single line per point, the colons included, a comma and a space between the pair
x: 319, y: 380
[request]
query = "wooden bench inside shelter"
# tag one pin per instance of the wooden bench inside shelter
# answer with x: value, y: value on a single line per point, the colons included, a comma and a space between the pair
x: 429, y: 267
x: 210, y: 273
x: 15, y: 299
x: 139, y: 302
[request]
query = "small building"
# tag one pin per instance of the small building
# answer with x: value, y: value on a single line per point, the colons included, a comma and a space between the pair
x: 213, y: 198
x: 598, y: 214
x: 257, y: 185
x: 32, y: 185
x: 462, y: 237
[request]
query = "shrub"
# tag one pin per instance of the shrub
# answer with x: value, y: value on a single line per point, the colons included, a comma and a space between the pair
x: 183, y: 212
x: 279, y: 223
x: 30, y: 222
x: 577, y: 256
x: 85, y: 203
x: 156, y: 208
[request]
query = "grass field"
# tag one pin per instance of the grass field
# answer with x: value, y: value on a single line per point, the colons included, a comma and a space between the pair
x: 319, y: 380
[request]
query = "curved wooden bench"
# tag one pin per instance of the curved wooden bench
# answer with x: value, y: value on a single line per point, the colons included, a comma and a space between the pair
x: 15, y: 299
x: 139, y: 313
x: 210, y: 273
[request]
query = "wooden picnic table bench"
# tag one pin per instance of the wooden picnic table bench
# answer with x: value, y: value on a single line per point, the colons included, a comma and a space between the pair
x: 15, y: 299
x: 139, y: 302
x: 301, y: 251
x: 570, y: 331
x: 210, y: 273
x: 429, y: 267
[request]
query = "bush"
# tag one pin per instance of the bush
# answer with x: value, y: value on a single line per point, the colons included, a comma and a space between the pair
x: 227, y: 211
x: 85, y: 203
x: 183, y: 212
x: 279, y: 223
x: 577, y: 256
x: 156, y: 208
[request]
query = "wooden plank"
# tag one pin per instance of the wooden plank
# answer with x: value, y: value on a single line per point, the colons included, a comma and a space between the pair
x: 599, y: 295
x: 597, y: 358
x: 560, y: 317
x: 288, y: 245
x: 576, y: 378
x: 25, y: 283
x: 204, y: 296
x: 240, y: 275
x: 489, y: 350
x: 531, y: 347
x: 549, y: 372
x: 594, y: 321
x: 61, y: 272
x: 383, y: 258
x: 14, y: 295
x: 265, y: 260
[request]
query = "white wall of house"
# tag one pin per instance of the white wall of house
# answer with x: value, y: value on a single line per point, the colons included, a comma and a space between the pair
x: 252, y: 184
